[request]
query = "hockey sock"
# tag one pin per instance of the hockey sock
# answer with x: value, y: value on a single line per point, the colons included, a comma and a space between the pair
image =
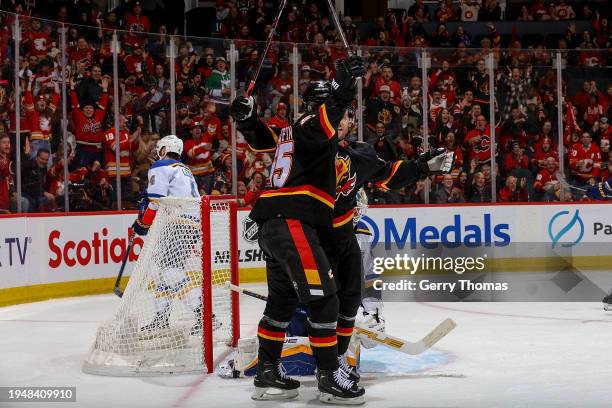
x: 344, y: 331
x: 271, y: 335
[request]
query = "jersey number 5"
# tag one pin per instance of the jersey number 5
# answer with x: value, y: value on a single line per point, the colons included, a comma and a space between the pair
x: 283, y: 159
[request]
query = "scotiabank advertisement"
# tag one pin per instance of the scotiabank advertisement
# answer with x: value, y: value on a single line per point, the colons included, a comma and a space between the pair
x: 43, y: 250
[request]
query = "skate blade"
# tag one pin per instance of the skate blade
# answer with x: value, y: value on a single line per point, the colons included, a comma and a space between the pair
x: 332, y: 399
x: 271, y: 394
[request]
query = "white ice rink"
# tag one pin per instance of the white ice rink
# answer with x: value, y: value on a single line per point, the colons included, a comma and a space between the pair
x: 500, y: 355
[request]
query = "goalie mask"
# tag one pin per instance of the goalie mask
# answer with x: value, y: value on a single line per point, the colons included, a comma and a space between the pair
x: 169, y: 144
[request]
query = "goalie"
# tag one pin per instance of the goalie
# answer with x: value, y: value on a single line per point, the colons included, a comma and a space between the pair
x: 168, y: 177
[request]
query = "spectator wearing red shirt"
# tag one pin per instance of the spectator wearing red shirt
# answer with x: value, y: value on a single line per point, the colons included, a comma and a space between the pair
x: 584, y: 160
x: 386, y: 78
x: 516, y: 160
x: 40, y: 116
x: 136, y: 22
x: 88, y: 126
x: 593, y: 111
x: 546, y: 182
x: 254, y: 188
x: 125, y: 147
x: 138, y: 61
x: 515, y: 191
x: 83, y: 56
x: 479, y: 141
x: 199, y: 158
x: 37, y: 42
x: 543, y: 151
x: 279, y: 119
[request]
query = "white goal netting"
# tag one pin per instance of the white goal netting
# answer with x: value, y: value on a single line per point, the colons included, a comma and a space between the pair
x: 160, y: 326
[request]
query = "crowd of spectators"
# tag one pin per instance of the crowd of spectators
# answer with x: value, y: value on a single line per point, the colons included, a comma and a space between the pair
x: 527, y: 150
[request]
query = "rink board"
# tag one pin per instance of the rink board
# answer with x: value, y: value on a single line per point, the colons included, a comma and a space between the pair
x: 58, y: 255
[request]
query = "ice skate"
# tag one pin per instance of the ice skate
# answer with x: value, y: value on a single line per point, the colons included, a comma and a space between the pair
x: 337, y: 388
x: 271, y: 383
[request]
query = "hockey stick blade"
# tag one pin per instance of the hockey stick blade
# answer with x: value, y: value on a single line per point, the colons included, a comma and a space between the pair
x: 392, y: 342
x: 118, y: 292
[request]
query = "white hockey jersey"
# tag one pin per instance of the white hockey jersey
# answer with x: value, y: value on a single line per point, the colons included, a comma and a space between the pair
x: 171, y: 178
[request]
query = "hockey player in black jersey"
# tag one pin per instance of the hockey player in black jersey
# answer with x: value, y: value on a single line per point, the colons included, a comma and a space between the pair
x: 356, y: 163
x: 292, y: 215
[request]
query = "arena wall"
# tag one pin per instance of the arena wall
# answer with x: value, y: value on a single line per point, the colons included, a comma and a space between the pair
x: 57, y: 255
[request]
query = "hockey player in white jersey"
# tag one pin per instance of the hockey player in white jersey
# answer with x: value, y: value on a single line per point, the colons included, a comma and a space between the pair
x: 168, y: 177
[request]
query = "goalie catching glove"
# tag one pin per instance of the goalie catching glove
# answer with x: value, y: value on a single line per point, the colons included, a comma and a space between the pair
x: 436, y: 161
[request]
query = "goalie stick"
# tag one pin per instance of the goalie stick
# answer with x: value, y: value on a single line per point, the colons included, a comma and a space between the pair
x: 391, y: 342
x: 117, y: 290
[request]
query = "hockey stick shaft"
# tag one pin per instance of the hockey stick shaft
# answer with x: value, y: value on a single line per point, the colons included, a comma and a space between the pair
x: 385, y: 339
x: 117, y: 289
x: 266, y: 48
x: 334, y: 14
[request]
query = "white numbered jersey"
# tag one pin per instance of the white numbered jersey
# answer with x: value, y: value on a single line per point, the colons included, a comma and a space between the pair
x: 171, y: 178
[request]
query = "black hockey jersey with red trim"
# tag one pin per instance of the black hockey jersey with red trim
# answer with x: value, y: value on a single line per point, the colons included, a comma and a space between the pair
x: 358, y: 164
x: 302, y: 180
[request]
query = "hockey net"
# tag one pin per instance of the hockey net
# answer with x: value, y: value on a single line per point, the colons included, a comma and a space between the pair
x: 176, y: 315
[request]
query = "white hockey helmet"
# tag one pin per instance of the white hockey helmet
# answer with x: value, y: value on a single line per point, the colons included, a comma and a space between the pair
x: 168, y: 144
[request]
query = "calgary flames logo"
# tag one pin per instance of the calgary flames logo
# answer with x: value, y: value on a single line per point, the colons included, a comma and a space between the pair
x: 484, y: 145
x: 345, y: 181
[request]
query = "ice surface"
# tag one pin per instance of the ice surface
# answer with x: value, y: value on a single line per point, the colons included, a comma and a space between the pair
x: 500, y: 355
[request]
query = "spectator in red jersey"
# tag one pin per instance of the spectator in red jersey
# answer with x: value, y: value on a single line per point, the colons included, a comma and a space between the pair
x: 87, y: 127
x: 37, y: 42
x: 136, y: 22
x: 83, y: 56
x: 515, y: 191
x: 593, y: 111
x: 255, y: 188
x: 585, y: 161
x: 386, y: 78
x: 542, y: 152
x: 40, y: 116
x: 199, y: 158
x: 517, y: 164
x: 478, y: 141
x: 139, y: 62
x: 125, y: 147
x: 279, y: 119
x: 546, y: 183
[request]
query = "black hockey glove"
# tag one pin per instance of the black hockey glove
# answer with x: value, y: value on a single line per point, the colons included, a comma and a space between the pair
x: 243, y: 109
x: 435, y: 161
x: 347, y: 73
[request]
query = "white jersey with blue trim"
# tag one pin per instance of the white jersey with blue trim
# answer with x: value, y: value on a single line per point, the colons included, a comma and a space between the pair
x: 171, y: 178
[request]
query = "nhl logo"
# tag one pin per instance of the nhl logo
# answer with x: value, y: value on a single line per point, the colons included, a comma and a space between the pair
x: 250, y: 230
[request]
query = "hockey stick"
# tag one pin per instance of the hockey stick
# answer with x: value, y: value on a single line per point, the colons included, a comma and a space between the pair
x: 332, y: 11
x: 266, y: 48
x: 117, y: 290
x: 385, y: 339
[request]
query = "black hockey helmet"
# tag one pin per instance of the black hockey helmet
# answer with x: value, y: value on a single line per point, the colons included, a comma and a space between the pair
x: 316, y: 93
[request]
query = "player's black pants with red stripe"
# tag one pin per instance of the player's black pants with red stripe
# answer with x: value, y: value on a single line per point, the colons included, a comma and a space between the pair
x: 297, y: 271
x: 345, y: 257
